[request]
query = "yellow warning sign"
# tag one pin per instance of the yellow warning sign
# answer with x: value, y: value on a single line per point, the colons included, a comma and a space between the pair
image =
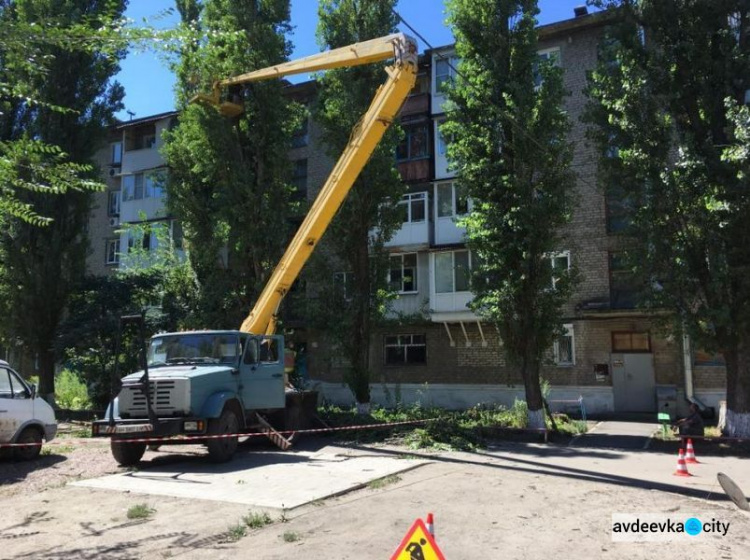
x: 418, y: 544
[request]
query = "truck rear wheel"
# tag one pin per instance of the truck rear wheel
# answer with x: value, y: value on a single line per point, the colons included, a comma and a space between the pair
x: 127, y: 454
x: 221, y: 450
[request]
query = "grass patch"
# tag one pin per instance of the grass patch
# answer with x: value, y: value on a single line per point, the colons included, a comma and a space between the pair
x: 236, y: 532
x: 291, y: 536
x: 140, y: 511
x: 57, y: 449
x: 383, y: 482
x: 257, y: 520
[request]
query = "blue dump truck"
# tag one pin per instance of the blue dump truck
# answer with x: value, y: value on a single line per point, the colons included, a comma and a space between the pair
x: 201, y: 383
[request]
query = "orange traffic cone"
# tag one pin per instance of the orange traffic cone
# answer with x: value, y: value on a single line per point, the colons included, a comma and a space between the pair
x: 430, y: 525
x: 681, y: 466
x: 690, y: 453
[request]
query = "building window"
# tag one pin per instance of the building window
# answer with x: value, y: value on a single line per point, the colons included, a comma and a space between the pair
x: 421, y: 84
x: 413, y: 208
x: 344, y: 284
x: 405, y: 349
x: 560, y: 263
x: 112, y: 255
x: 116, y: 153
x: 141, y: 185
x: 619, y: 209
x: 623, y: 287
x: 176, y: 234
x: 300, y: 136
x: 452, y: 271
x: 442, y: 141
x: 402, y: 273
x: 415, y: 144
x: 565, y: 348
x: 546, y: 55
x: 299, y: 178
x: 139, y: 240
x: 140, y: 137
x: 451, y: 200
x: 113, y: 203
x: 445, y: 71
x: 631, y: 341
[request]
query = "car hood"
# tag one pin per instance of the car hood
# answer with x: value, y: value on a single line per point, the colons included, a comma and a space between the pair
x: 181, y: 371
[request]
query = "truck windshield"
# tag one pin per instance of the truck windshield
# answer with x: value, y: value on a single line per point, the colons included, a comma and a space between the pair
x: 194, y: 348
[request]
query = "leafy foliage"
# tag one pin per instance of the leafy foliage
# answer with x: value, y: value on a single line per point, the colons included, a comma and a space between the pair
x: 347, y: 314
x: 162, y: 284
x: 667, y: 102
x: 58, y: 99
x: 512, y: 157
x: 228, y: 178
x: 71, y: 392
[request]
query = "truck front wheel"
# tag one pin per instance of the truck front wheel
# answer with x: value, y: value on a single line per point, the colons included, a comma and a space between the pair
x: 127, y: 454
x: 221, y: 450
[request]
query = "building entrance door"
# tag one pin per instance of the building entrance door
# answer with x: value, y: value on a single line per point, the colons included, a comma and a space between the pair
x: 633, y: 382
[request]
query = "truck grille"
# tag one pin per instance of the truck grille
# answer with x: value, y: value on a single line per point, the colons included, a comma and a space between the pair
x: 168, y: 398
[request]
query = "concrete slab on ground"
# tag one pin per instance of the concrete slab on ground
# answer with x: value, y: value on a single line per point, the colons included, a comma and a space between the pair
x: 264, y: 479
x: 617, y: 435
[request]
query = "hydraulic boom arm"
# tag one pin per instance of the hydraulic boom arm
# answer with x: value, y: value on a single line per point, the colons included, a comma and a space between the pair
x: 363, y: 141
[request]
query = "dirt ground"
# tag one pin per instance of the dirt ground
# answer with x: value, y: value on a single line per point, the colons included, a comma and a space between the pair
x: 515, y: 500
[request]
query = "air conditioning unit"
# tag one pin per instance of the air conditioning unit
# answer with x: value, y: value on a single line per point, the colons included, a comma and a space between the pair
x: 115, y: 171
x: 114, y: 221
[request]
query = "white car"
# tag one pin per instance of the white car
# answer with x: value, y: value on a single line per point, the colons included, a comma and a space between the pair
x: 24, y: 416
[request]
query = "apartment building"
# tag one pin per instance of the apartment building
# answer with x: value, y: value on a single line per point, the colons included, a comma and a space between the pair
x: 435, y: 349
x: 131, y: 213
x: 612, y: 354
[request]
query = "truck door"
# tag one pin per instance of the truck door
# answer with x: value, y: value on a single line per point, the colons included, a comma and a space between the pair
x: 262, y: 373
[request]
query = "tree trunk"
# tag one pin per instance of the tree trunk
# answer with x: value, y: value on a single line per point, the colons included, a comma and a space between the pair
x: 738, y: 389
x: 534, y: 401
x: 47, y: 375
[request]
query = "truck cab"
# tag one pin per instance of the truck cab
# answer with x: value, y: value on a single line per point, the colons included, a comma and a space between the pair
x: 199, y: 383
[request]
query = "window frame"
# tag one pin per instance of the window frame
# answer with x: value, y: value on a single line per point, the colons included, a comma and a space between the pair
x: 452, y: 61
x: 341, y: 280
x: 415, y: 279
x: 408, y: 200
x: 405, y: 353
x: 544, y: 54
x: 569, y: 333
x: 454, y: 201
x: 552, y: 257
x: 616, y: 350
x: 409, y: 130
x: 453, y: 271
x: 116, y: 255
x: 114, y: 199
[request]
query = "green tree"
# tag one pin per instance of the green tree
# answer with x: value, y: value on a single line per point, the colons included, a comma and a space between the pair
x: 53, y: 118
x: 228, y: 181
x: 667, y: 102
x: 510, y: 150
x: 159, y: 282
x: 371, y: 206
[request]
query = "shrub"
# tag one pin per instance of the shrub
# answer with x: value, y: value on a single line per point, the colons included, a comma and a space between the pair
x: 71, y: 392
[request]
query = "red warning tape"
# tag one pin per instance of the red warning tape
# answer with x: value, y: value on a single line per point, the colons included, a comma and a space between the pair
x: 168, y: 439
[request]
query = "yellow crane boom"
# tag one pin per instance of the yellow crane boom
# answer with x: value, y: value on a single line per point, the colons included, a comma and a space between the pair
x: 364, y: 139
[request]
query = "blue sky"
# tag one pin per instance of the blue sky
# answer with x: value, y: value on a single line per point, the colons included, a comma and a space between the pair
x: 148, y: 82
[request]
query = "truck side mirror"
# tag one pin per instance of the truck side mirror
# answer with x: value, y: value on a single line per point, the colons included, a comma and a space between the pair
x: 33, y: 391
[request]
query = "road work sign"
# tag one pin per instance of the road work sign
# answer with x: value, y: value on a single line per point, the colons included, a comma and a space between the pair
x: 418, y: 544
